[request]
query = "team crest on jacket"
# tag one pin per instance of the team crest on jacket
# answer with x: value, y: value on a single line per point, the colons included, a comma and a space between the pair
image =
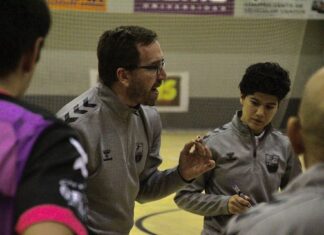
x: 139, y: 152
x: 272, y: 162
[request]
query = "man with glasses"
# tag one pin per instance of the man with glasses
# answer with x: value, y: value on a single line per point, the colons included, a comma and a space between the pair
x: 123, y: 131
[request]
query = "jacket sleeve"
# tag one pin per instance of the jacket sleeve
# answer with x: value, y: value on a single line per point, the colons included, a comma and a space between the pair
x: 53, y: 182
x: 155, y: 184
x: 191, y: 198
x: 293, y: 168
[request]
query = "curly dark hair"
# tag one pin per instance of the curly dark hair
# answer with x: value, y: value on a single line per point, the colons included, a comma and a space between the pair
x: 118, y: 48
x: 269, y: 78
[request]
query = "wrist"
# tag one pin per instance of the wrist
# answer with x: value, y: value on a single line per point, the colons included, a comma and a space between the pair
x: 183, y: 178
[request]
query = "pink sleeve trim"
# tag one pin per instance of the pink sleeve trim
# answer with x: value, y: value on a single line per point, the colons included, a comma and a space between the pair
x: 48, y: 212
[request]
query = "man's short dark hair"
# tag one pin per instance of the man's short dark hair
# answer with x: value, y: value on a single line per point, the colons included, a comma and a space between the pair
x: 21, y: 23
x: 118, y: 48
x: 269, y: 78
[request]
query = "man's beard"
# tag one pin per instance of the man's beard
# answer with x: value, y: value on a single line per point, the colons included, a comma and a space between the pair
x: 149, y: 101
x: 136, y: 93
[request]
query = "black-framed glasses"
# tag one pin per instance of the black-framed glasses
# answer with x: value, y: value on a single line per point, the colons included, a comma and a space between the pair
x: 154, y: 67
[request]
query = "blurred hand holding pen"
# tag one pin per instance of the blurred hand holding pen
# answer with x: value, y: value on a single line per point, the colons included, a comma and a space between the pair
x: 242, y: 195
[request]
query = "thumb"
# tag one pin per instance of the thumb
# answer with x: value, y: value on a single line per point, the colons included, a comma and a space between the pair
x: 211, y: 164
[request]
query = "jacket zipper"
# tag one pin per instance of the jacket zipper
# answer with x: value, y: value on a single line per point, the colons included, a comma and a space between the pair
x: 253, y: 145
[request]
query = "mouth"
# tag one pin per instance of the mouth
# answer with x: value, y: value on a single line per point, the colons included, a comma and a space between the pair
x: 155, y: 92
x: 155, y: 88
x: 257, y: 121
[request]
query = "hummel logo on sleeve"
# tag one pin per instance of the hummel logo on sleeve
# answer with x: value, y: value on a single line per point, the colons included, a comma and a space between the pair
x: 87, y: 104
x: 223, y: 128
x: 69, y: 119
x: 77, y: 109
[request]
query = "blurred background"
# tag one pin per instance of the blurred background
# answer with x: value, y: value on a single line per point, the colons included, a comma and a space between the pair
x: 207, y: 44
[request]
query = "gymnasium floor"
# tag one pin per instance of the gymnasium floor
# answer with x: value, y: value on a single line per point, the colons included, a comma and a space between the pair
x: 162, y: 217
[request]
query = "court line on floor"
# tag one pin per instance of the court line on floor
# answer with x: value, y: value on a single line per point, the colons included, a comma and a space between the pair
x: 139, y: 222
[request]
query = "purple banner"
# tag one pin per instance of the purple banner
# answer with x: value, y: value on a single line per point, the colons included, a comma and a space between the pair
x: 197, y: 7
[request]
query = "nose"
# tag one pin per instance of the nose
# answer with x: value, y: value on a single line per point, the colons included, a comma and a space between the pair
x: 162, y: 75
x: 260, y: 111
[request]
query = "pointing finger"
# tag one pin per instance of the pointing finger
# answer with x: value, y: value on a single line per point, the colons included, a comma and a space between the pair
x: 200, y: 148
x: 186, y: 149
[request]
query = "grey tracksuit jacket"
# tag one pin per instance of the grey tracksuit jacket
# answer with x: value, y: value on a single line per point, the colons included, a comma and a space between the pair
x: 258, y: 167
x: 123, y: 145
x: 298, y: 210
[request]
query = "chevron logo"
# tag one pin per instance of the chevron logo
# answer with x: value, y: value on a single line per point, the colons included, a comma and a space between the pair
x: 87, y: 104
x: 69, y: 119
x: 77, y: 109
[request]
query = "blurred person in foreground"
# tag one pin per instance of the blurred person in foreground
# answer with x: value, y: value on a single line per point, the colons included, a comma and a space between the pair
x: 42, y: 164
x: 253, y: 159
x: 123, y: 131
x: 299, y: 209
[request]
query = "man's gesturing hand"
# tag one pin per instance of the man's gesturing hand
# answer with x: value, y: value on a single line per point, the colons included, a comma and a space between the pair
x: 195, y: 159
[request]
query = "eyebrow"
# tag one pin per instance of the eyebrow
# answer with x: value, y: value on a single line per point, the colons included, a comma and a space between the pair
x: 255, y: 99
x: 157, y: 61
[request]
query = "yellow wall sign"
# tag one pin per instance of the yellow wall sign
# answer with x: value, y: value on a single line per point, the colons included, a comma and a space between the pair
x: 79, y: 5
x: 169, y: 92
x: 174, y: 93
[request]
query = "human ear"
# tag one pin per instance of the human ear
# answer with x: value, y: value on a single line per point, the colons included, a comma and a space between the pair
x: 295, y: 136
x: 123, y: 76
x: 31, y: 57
x: 242, y: 97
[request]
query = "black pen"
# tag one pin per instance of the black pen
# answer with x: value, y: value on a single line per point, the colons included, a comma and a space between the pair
x: 239, y: 192
x: 242, y: 195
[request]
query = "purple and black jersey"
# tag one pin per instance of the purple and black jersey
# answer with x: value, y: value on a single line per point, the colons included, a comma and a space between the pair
x: 42, y: 169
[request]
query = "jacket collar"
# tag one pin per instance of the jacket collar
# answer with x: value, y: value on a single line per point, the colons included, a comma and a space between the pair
x: 109, y: 98
x: 244, y: 129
